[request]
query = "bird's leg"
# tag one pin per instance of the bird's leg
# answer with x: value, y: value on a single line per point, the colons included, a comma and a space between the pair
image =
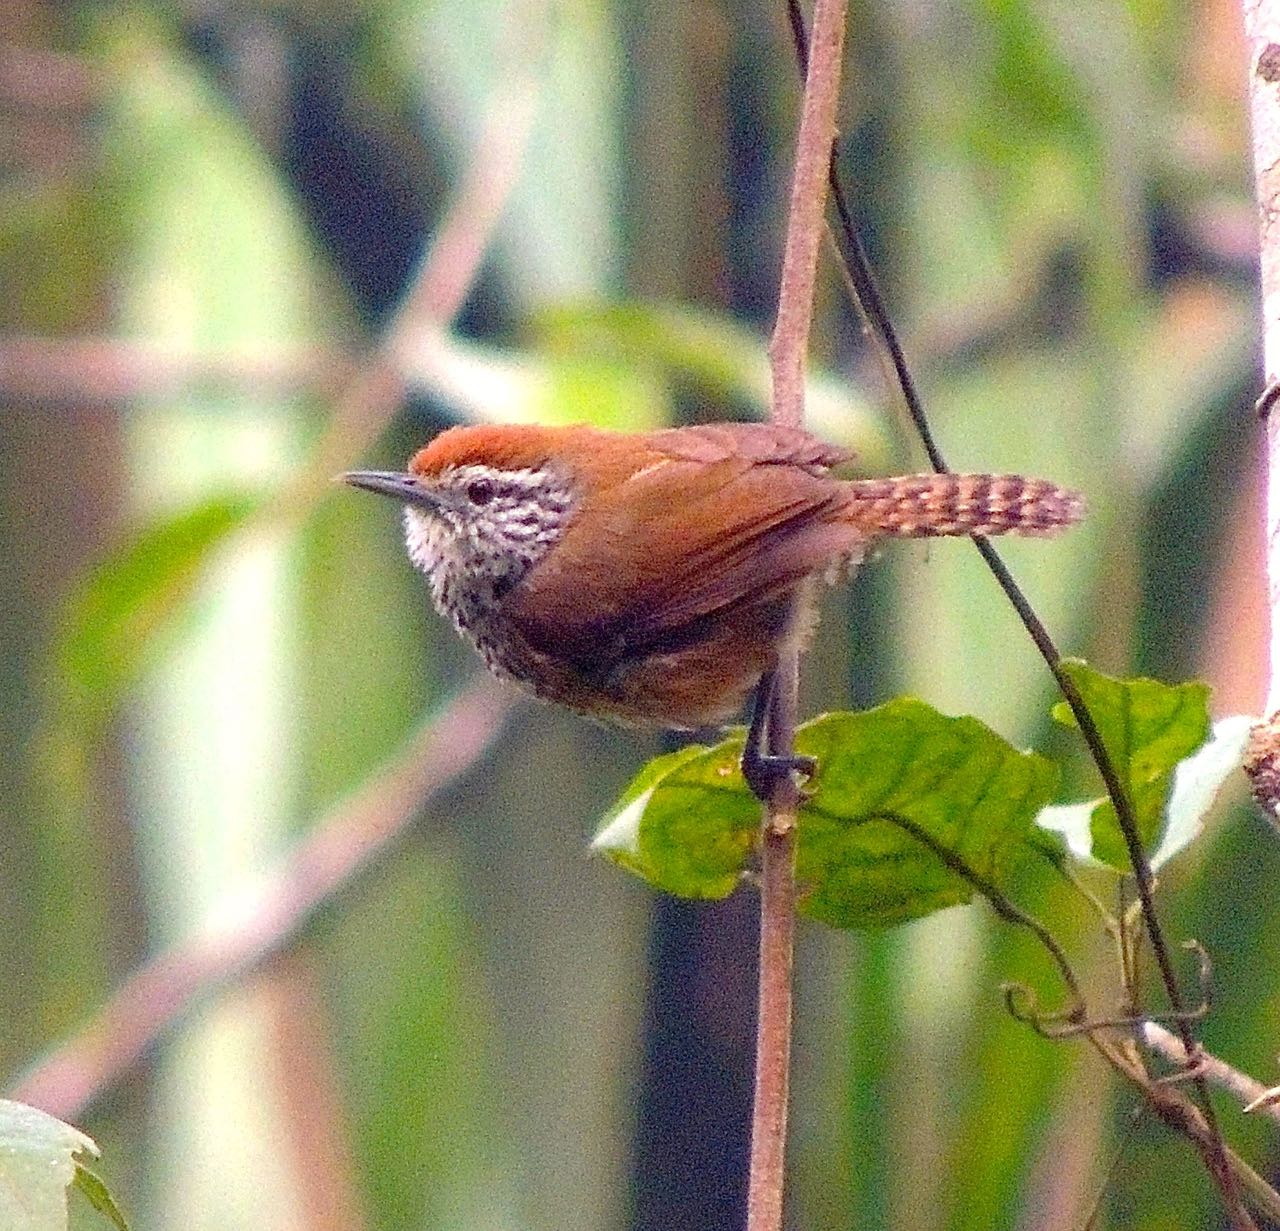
x: 762, y: 767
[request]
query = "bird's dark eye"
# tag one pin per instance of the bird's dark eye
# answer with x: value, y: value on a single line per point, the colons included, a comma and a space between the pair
x: 480, y: 491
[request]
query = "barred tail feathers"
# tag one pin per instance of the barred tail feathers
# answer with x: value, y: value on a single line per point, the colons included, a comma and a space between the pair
x: 928, y: 505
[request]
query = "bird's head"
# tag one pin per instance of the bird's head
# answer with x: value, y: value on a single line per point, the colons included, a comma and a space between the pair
x: 485, y: 502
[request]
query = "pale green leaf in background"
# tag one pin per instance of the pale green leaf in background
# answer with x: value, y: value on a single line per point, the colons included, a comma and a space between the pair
x: 37, y: 1163
x: 1147, y: 728
x: 113, y: 624
x: 718, y: 358
x: 493, y: 384
x: 1197, y: 779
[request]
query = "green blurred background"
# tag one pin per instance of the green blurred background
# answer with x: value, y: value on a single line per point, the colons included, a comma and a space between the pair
x: 209, y: 212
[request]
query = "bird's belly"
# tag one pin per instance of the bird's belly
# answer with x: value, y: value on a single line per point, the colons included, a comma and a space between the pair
x: 699, y: 681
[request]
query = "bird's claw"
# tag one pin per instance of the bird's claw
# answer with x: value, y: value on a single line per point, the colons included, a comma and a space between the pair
x: 763, y: 771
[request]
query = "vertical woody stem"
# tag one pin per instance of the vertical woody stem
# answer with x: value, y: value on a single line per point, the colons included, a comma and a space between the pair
x: 788, y: 350
x: 1262, y: 26
x: 789, y: 346
x: 1262, y: 29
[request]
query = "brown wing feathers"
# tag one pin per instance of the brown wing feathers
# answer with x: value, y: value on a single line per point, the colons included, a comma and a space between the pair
x: 741, y: 531
x: 739, y: 513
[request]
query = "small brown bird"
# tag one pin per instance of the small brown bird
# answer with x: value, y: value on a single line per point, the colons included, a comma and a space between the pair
x: 654, y: 578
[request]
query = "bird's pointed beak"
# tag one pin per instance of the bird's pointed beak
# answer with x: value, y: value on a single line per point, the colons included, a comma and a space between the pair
x: 400, y: 486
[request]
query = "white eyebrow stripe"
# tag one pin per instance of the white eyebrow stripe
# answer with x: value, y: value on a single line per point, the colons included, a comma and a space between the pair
x: 524, y: 479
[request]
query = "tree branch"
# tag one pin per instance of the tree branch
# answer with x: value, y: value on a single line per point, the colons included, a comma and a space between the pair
x: 1184, y: 1117
x: 1250, y: 1092
x: 788, y: 353
x: 1262, y: 28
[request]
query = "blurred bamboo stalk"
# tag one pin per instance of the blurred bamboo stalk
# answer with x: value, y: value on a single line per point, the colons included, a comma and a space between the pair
x: 160, y: 992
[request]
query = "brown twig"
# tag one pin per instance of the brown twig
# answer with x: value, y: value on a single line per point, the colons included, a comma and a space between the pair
x: 315, y: 1133
x: 1180, y: 1114
x: 1001, y: 903
x: 1175, y: 1110
x: 1250, y: 1092
x: 350, y: 841
x: 1216, y: 1155
x: 767, y: 1180
x: 35, y: 79
x: 788, y: 355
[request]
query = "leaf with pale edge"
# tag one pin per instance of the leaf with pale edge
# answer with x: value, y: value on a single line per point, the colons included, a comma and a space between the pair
x: 37, y: 1164
x: 1148, y: 728
x: 1197, y: 779
x: 688, y: 824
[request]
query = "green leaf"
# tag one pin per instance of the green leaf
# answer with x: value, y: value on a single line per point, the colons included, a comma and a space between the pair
x: 501, y: 385
x: 1197, y: 779
x: 1147, y: 728
x: 688, y: 824
x: 587, y: 389
x: 95, y: 1191
x: 954, y: 779
x: 110, y: 628
x: 37, y: 1164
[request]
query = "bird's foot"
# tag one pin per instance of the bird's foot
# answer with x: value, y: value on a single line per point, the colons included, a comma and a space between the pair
x: 763, y: 771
